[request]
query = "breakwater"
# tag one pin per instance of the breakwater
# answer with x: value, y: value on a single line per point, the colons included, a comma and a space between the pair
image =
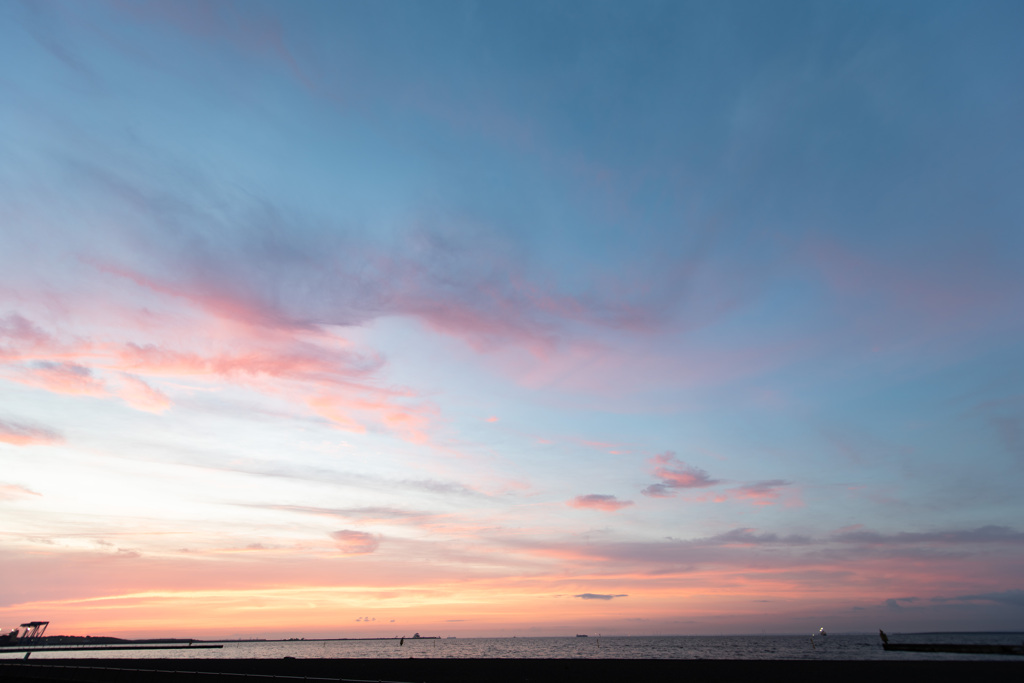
x: 499, y: 671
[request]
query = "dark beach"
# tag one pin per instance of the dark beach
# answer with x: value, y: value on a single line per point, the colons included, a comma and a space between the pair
x: 503, y: 670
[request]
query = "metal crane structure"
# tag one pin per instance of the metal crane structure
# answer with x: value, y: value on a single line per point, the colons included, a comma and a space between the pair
x: 33, y: 630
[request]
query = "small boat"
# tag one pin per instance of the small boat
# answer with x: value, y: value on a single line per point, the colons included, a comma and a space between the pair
x: 819, y: 638
x: 582, y: 635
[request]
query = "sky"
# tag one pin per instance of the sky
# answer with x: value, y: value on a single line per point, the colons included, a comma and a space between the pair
x: 353, y: 319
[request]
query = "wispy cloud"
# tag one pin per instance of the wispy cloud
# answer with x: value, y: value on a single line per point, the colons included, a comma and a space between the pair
x: 15, y: 492
x: 363, y: 515
x: 23, y: 434
x: 598, y: 501
x: 1013, y: 597
x: 985, y: 534
x: 20, y: 337
x: 760, y: 492
x: 141, y: 395
x: 749, y: 537
x: 311, y: 368
x: 463, y: 281
x: 63, y: 377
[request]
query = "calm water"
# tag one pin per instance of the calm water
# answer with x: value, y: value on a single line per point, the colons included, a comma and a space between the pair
x: 633, y: 647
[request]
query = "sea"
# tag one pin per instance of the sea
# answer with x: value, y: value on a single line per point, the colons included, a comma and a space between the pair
x: 751, y: 647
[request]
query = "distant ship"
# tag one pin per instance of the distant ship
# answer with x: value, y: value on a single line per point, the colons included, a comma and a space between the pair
x: 581, y: 635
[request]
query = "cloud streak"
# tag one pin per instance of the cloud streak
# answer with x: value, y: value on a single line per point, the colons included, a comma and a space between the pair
x: 985, y: 534
x: 1014, y: 597
x: 63, y: 377
x: 19, y: 433
x: 12, y: 492
x: 599, y: 596
x: 598, y: 501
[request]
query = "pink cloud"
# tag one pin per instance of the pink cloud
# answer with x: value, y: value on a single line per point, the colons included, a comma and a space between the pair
x: 599, y: 501
x: 142, y: 396
x: 18, y: 335
x: 337, y: 412
x: 462, y: 281
x: 761, y: 492
x: 675, y: 474
x: 288, y: 358
x: 508, y: 312
x: 411, y: 423
x: 475, y: 293
x: 364, y: 515
x: 20, y: 434
x: 308, y: 367
x: 355, y: 542
x: 15, y: 492
x: 62, y: 377
x: 350, y: 411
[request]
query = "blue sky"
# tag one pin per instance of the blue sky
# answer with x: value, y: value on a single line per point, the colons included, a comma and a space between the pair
x: 462, y: 311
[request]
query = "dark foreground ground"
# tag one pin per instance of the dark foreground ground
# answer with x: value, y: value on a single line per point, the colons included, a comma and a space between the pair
x: 503, y: 670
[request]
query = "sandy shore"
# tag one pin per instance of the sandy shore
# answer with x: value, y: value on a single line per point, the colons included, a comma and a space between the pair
x: 509, y: 670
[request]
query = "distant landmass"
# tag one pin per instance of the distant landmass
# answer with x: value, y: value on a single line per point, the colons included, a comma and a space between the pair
x: 102, y: 640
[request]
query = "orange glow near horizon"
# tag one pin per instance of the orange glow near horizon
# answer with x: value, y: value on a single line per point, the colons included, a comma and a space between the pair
x: 686, y: 602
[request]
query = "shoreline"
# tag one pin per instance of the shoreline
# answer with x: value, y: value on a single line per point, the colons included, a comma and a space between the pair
x: 506, y: 670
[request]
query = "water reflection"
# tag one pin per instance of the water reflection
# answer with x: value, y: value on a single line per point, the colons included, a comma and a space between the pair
x: 841, y: 647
